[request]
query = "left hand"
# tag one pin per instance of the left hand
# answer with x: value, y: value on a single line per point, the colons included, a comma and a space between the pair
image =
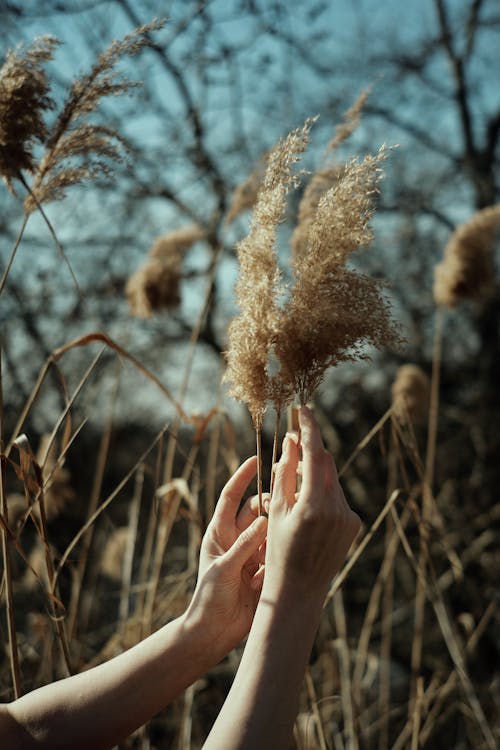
x: 228, y: 588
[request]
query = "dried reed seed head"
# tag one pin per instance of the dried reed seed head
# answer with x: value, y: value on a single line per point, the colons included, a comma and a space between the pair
x: 58, y: 491
x: 342, y: 220
x: 333, y: 312
x: 251, y: 333
x: 155, y: 286
x: 114, y: 552
x: 350, y: 121
x: 320, y: 182
x: 93, y: 146
x: 467, y: 269
x: 410, y: 394
x: 245, y: 195
x: 175, y: 243
x: 324, y: 179
x: 24, y: 100
x: 328, y: 321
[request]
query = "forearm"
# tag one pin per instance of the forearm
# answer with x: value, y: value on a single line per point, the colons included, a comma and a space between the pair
x: 263, y: 701
x: 100, y: 707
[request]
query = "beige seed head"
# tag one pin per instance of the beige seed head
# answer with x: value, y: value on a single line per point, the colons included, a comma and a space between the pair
x: 24, y: 100
x: 410, y: 394
x: 466, y: 271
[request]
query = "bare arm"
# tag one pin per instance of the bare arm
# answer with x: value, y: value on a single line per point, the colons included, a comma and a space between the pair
x: 308, y: 538
x: 98, y: 708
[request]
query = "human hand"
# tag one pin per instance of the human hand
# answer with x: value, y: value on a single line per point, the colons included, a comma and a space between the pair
x: 228, y: 589
x: 309, y: 532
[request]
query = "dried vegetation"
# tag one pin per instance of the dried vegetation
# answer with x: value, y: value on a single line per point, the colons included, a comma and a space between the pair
x: 92, y: 563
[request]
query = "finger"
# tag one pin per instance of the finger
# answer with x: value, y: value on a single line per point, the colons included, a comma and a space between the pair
x: 250, y: 511
x: 247, y: 544
x: 331, y: 477
x: 258, y: 579
x: 285, y: 480
x: 231, y: 495
x: 313, y: 454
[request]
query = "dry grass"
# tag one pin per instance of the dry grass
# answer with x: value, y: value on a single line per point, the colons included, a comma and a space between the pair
x: 95, y: 557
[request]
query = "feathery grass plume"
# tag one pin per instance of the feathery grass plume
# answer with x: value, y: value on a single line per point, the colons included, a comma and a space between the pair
x: 156, y: 284
x: 350, y: 121
x: 245, y: 195
x: 321, y: 181
x: 176, y: 242
x: 325, y: 178
x: 76, y: 150
x: 466, y: 271
x: 410, y: 394
x: 251, y: 333
x: 333, y: 311
x: 24, y: 100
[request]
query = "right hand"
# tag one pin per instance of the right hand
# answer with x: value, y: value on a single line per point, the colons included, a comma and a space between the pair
x: 309, y: 532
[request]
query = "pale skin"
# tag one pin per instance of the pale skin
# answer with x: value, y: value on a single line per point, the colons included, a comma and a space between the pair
x: 279, y: 604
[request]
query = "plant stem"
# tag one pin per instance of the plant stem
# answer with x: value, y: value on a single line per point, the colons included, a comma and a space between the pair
x: 13, y: 252
x: 275, y: 448
x: 258, y: 435
x: 9, y: 603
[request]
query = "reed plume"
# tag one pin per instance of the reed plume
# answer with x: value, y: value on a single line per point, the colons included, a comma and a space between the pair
x: 410, y: 394
x: 156, y: 284
x: 324, y: 178
x: 76, y: 149
x: 24, y: 100
x: 466, y: 271
x: 333, y: 312
x: 252, y: 332
x: 350, y: 121
x: 245, y: 195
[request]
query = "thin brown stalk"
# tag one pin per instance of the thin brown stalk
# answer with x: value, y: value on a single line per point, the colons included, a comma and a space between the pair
x: 258, y: 435
x: 13, y: 252
x: 213, y: 452
x: 372, y: 609
x: 79, y: 571
x: 344, y: 658
x: 384, y: 696
x: 133, y: 524
x: 53, y: 234
x: 450, y: 639
x: 364, y: 442
x: 340, y: 578
x: 147, y: 551
x: 7, y: 568
x: 417, y: 714
x: 186, y: 722
x: 103, y: 507
x: 452, y: 682
x: 275, y: 449
x: 171, y: 495
x: 313, y: 700
x: 420, y: 595
x: 57, y: 617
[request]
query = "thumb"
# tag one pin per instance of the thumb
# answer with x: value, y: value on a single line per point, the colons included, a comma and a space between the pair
x: 247, y: 544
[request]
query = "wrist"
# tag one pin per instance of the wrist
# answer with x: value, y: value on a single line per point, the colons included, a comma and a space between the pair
x: 209, y: 642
